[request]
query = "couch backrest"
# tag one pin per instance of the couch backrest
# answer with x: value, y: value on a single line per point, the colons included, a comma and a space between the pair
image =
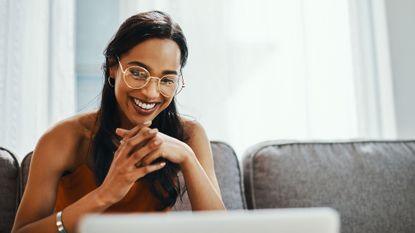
x: 10, y: 189
x: 370, y: 183
x: 227, y: 171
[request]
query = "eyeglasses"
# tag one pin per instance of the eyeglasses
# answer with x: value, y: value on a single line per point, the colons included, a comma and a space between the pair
x: 137, y: 77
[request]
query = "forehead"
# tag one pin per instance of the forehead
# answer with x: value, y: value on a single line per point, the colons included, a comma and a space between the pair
x: 158, y: 54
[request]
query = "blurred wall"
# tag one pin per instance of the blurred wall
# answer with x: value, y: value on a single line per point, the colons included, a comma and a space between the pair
x: 401, y: 20
x: 96, y: 21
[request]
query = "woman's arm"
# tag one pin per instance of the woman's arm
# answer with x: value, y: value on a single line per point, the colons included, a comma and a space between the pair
x: 54, y: 154
x: 199, y: 173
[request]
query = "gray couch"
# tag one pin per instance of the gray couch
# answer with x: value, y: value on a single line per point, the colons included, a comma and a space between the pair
x: 370, y: 183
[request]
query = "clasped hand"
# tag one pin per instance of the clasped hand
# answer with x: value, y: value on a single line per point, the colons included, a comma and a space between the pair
x: 138, y: 149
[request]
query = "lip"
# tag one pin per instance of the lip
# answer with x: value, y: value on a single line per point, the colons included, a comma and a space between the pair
x: 142, y: 111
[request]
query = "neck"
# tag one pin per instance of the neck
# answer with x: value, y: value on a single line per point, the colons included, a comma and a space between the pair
x: 125, y: 123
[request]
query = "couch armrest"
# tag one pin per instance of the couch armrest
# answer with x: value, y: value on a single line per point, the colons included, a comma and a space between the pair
x: 10, y: 189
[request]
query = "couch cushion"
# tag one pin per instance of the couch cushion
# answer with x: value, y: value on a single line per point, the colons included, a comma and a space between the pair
x: 9, y: 191
x: 370, y: 183
x: 227, y: 171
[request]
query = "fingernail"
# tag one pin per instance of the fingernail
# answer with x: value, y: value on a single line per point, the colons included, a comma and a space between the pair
x: 151, y: 131
x: 119, y: 131
x: 162, y: 164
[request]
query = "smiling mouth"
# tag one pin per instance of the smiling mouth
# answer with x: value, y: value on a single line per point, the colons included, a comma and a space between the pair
x: 144, y: 105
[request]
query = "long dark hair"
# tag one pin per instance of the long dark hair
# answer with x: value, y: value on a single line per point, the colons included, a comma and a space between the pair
x: 163, y: 183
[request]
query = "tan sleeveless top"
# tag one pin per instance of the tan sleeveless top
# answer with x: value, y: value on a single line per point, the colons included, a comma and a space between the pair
x: 74, y: 186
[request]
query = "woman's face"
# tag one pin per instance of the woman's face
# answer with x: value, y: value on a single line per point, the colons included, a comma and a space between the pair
x: 159, y: 57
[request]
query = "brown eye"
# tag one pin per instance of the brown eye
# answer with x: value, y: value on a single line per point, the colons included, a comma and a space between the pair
x: 138, y: 73
x: 169, y: 81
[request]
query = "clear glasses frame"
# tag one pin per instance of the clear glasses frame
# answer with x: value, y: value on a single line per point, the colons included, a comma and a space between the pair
x: 178, y: 89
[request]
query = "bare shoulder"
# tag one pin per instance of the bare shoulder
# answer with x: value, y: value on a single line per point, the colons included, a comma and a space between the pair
x: 64, y: 143
x: 197, y: 139
x: 193, y: 129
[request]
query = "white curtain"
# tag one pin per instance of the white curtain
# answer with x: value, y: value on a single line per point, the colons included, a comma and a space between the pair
x: 372, y: 69
x: 37, y: 69
x: 277, y: 69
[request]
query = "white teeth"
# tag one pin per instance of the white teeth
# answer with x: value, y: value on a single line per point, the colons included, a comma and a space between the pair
x: 143, y: 105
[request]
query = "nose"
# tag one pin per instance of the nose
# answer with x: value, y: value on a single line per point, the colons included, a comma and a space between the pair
x: 151, y: 89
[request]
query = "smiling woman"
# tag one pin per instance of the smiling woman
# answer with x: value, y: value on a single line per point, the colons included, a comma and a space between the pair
x: 164, y: 62
x: 125, y: 157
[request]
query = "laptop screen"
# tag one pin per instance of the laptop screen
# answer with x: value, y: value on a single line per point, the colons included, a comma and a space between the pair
x: 307, y: 220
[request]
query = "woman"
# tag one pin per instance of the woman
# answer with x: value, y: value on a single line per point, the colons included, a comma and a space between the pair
x: 125, y: 157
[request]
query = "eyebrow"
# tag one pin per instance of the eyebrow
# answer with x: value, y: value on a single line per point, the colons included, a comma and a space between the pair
x: 138, y: 63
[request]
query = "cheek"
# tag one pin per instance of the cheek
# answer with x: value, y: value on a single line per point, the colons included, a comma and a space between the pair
x: 120, y: 92
x: 119, y: 86
x: 166, y: 102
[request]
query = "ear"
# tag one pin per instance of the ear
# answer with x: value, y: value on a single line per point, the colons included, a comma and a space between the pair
x: 113, y: 71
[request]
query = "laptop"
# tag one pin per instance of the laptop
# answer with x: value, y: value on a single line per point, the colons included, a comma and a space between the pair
x: 297, y: 220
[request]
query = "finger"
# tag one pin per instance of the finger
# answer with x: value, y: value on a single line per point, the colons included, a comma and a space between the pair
x: 140, y: 138
x: 124, y: 150
x: 142, y: 171
x: 125, y: 132
x: 138, y: 155
x: 151, y: 157
x: 131, y: 133
x: 121, y: 132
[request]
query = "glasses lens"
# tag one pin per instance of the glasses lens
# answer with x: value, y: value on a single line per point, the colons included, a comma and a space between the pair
x: 180, y: 85
x: 136, y: 77
x: 169, y: 84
